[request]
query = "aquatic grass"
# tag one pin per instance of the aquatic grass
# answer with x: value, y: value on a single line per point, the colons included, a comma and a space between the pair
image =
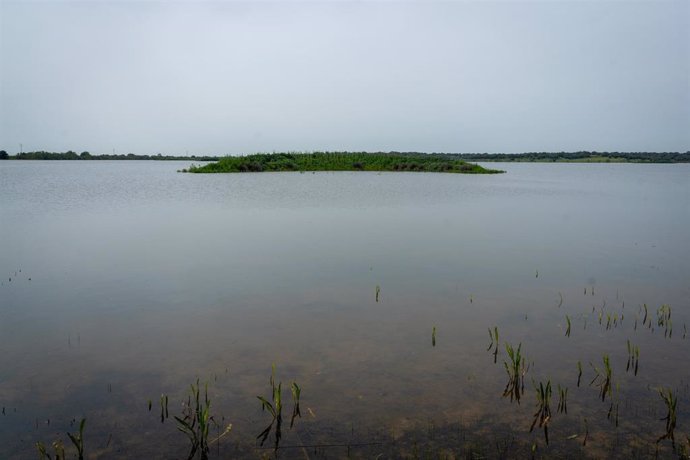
x: 274, y: 406
x: 567, y: 331
x: 78, y: 439
x: 579, y: 372
x: 494, y: 342
x: 516, y: 373
x: 296, y: 391
x: 603, y: 378
x: 378, y: 291
x: 196, y: 421
x: 562, y: 399
x: 670, y: 400
x: 433, y: 336
x: 58, y: 451
x: 633, y: 357
x: 543, y: 413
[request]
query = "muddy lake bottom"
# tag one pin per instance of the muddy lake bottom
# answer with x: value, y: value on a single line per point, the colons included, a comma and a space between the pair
x: 378, y: 294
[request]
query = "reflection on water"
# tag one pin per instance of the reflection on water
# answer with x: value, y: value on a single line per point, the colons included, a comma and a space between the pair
x: 129, y: 280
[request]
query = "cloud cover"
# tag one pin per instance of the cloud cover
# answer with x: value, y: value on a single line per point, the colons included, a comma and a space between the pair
x: 241, y: 77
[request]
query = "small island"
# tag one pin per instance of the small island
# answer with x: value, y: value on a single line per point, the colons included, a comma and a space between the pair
x: 342, y: 161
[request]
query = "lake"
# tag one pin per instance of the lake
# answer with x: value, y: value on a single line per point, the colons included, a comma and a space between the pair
x: 123, y: 281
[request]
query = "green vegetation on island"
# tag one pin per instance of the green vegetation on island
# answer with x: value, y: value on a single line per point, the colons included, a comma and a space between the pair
x: 342, y: 161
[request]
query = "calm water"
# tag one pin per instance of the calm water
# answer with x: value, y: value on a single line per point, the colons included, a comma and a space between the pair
x: 136, y: 280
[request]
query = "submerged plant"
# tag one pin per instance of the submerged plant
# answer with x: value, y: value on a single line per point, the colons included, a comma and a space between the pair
x: 516, y: 373
x: 579, y: 372
x: 603, y: 378
x: 567, y: 331
x: 562, y: 399
x: 663, y: 315
x: 670, y: 400
x: 493, y: 336
x: 196, y: 420
x: 378, y: 291
x: 633, y: 357
x: 275, y: 408
x: 296, y: 391
x: 58, y: 450
x: 433, y: 336
x: 78, y: 439
x: 543, y: 413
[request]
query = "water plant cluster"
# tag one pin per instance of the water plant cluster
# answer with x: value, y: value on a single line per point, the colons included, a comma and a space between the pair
x: 341, y: 161
x: 603, y: 374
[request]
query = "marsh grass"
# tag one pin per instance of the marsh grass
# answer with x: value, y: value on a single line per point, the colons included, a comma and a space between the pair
x: 378, y: 291
x: 567, y: 331
x: 516, y: 373
x: 77, y: 440
x: 670, y: 400
x: 494, y: 342
x: 663, y: 314
x: 579, y: 373
x: 633, y: 357
x: 58, y: 451
x: 562, y: 399
x: 433, y: 336
x: 603, y: 378
x: 543, y: 414
x: 196, y: 420
x: 275, y: 408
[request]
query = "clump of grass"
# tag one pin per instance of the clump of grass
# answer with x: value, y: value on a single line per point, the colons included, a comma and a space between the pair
x: 196, y: 421
x: 296, y: 391
x: 670, y: 400
x: 567, y: 331
x: 562, y: 399
x: 633, y: 357
x: 78, y: 439
x: 603, y: 378
x: 663, y: 314
x: 516, y: 373
x: 275, y: 408
x: 59, y: 449
x: 493, y: 336
x: 164, y: 407
x: 543, y: 413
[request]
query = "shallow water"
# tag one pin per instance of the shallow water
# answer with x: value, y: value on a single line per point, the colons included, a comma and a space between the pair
x: 143, y: 279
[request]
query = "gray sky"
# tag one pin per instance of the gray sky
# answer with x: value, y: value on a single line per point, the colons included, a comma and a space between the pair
x: 241, y: 77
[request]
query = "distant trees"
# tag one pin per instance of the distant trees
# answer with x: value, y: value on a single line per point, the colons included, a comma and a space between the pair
x: 71, y: 155
x: 3, y: 155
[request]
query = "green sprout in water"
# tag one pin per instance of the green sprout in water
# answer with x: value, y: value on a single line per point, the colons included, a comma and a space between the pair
x: 275, y: 408
x: 493, y: 336
x: 516, y: 373
x: 670, y: 400
x: 543, y: 413
x: 562, y: 399
x: 603, y: 379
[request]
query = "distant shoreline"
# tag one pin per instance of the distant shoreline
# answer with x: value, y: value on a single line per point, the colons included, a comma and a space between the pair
x: 529, y: 157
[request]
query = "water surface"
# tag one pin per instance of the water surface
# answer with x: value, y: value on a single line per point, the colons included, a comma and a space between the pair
x: 135, y: 280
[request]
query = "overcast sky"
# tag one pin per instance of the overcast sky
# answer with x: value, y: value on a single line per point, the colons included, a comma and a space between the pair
x: 242, y: 77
